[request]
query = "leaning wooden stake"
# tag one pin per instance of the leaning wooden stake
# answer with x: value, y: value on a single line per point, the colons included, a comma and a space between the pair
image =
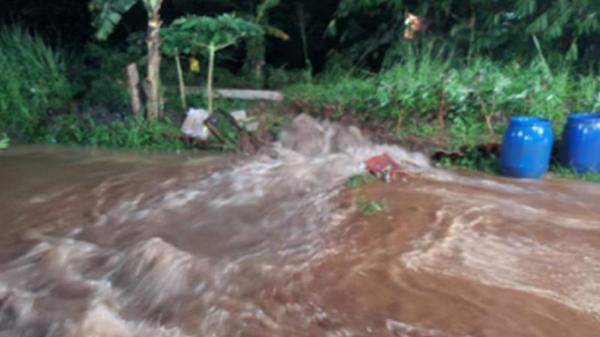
x: 133, y: 81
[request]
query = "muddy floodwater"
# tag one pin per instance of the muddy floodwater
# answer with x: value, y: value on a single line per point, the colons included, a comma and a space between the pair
x: 99, y: 243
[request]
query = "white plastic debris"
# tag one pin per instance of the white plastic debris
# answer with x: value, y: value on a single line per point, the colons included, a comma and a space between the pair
x: 240, y: 115
x: 193, y: 126
x: 248, y: 123
x: 251, y: 126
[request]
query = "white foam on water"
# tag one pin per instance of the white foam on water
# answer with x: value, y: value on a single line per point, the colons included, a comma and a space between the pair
x: 287, y: 198
x: 403, y: 329
x: 472, y: 239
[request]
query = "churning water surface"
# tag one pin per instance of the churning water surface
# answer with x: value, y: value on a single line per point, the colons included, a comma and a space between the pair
x: 97, y: 243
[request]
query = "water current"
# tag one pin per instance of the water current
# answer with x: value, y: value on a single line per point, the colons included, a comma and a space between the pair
x: 123, y: 244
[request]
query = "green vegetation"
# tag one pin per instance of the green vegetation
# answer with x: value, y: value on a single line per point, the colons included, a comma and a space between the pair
x: 358, y: 180
x: 368, y: 207
x: 448, y: 74
x: 128, y: 133
x: 107, y: 15
x: 474, y: 160
x: 32, y: 77
x: 562, y: 172
x: 192, y: 33
x: 256, y: 46
x: 97, y: 75
x: 427, y: 95
x: 489, y: 163
x: 565, y: 29
x: 4, y: 141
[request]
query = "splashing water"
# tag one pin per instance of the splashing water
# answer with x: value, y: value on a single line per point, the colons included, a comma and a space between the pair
x: 123, y: 245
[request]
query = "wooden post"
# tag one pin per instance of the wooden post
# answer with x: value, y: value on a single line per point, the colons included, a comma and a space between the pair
x: 133, y: 81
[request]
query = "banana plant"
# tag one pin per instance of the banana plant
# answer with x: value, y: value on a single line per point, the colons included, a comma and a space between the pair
x: 256, y: 46
x: 211, y: 34
x: 107, y: 15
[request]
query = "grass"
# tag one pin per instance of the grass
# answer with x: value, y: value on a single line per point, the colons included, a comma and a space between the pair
x: 568, y: 173
x: 473, y: 160
x: 128, y: 133
x: 491, y: 164
x: 474, y: 100
x: 413, y: 93
x: 32, y: 77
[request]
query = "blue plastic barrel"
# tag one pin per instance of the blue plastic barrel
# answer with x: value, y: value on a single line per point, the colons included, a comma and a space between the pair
x: 527, y: 147
x: 581, y: 142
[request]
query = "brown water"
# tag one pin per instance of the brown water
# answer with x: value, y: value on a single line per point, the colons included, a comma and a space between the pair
x: 107, y: 244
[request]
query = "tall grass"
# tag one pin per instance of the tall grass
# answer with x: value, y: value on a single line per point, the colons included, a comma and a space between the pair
x: 32, y: 79
x: 132, y: 133
x: 477, y: 97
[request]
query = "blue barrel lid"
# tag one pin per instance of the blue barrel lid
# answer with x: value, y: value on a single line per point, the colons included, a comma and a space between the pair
x: 584, y: 117
x: 529, y: 120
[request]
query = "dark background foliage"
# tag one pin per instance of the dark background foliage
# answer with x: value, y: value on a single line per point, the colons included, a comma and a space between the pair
x: 364, y: 31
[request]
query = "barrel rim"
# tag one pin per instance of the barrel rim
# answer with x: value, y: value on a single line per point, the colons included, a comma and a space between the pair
x: 529, y: 120
x: 584, y: 117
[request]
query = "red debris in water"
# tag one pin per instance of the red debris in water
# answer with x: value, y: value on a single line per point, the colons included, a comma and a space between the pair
x: 382, y: 164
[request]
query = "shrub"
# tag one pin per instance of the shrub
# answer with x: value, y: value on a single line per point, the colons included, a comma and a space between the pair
x: 32, y: 77
x: 98, y: 74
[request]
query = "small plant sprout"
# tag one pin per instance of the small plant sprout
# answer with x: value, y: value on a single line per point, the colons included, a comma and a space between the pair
x: 358, y: 180
x: 4, y: 141
x: 369, y: 207
x: 211, y: 34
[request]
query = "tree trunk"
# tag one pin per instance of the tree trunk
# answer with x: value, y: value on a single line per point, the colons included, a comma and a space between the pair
x: 133, y: 81
x: 153, y: 104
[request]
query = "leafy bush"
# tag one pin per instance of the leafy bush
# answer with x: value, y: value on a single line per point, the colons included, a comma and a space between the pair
x: 98, y: 74
x: 32, y: 77
x: 474, y: 100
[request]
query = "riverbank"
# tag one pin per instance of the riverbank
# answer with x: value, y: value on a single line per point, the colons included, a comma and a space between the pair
x: 425, y: 102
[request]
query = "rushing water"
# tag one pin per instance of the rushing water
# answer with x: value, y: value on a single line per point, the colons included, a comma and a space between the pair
x: 107, y: 244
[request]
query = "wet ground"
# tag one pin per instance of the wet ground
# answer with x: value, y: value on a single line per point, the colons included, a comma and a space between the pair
x: 110, y: 244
